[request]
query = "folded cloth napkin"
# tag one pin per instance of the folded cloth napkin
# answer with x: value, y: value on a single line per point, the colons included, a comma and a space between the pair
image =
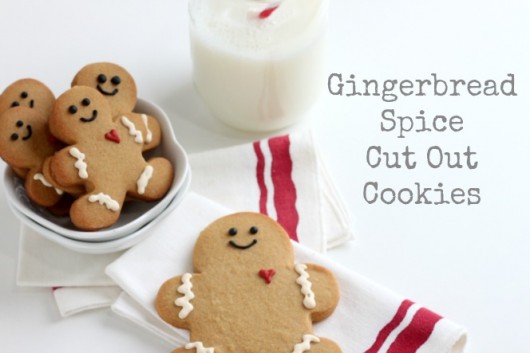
x: 283, y: 177
x: 74, y: 300
x: 78, y: 281
x: 368, y: 318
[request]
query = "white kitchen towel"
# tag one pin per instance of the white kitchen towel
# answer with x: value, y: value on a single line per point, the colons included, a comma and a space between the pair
x: 283, y: 177
x: 368, y: 318
x: 74, y: 300
x: 43, y: 263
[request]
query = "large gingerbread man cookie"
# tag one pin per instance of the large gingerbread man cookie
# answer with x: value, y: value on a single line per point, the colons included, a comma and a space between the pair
x: 104, y: 156
x: 118, y: 86
x: 25, y: 142
x: 246, y: 293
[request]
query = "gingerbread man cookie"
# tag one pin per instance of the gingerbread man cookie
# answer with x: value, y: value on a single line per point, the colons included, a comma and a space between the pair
x: 104, y: 156
x: 25, y: 142
x: 118, y: 86
x: 29, y: 93
x: 246, y: 293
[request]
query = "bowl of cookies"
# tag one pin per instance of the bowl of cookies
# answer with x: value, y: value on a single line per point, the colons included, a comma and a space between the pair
x: 96, y: 167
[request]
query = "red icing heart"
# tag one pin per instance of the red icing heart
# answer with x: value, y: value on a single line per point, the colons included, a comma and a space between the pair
x: 267, y: 12
x: 113, y: 136
x: 267, y: 275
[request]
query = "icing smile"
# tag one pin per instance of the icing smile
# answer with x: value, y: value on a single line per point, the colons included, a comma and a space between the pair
x: 243, y: 247
x: 107, y: 93
x: 92, y: 118
x: 28, y: 135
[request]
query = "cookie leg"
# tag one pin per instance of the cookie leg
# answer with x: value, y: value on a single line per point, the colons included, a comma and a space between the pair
x: 325, y: 346
x: 96, y: 210
x: 154, y: 180
x: 40, y: 191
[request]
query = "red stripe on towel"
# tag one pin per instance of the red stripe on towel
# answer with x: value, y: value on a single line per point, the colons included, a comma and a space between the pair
x: 416, y: 333
x: 260, y: 177
x: 391, y: 326
x: 284, y: 188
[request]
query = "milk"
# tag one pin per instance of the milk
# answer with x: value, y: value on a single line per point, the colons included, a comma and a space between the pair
x: 258, y: 73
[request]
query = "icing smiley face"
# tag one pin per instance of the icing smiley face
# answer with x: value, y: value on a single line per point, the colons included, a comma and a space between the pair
x: 233, y: 232
x: 24, y: 137
x: 113, y: 82
x: 89, y: 114
x: 26, y: 133
x: 77, y: 112
x: 27, y: 93
x: 105, y: 89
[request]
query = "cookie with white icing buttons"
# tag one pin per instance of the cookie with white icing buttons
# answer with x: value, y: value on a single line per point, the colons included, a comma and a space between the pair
x: 118, y: 86
x: 25, y: 143
x: 28, y: 93
x: 247, y: 294
x: 104, y: 156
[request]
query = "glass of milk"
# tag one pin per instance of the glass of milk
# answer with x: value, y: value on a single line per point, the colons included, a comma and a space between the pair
x: 258, y: 64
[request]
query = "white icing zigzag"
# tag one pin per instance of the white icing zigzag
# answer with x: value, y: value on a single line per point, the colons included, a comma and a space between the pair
x: 137, y: 134
x: 306, y: 343
x: 184, y: 302
x: 149, y: 134
x: 305, y: 286
x: 80, y: 163
x: 40, y: 177
x: 143, y: 181
x: 105, y: 200
x: 199, y: 347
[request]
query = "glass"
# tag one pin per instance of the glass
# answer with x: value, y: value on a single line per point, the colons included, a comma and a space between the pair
x: 258, y: 65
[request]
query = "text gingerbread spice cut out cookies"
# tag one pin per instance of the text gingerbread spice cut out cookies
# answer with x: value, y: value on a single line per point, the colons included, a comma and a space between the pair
x: 247, y: 294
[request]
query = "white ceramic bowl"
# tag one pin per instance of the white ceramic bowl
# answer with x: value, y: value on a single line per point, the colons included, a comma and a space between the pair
x: 135, y: 214
x: 109, y: 246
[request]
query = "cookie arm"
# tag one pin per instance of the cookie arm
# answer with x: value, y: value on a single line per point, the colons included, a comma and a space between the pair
x: 65, y: 170
x: 325, y: 289
x: 174, y: 301
x: 147, y: 126
x: 153, y: 126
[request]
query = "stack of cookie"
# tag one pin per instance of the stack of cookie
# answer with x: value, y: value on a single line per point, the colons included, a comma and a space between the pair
x: 83, y: 153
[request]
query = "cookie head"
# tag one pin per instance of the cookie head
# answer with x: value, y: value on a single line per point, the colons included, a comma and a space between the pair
x: 113, y: 82
x: 28, y: 93
x: 243, y: 238
x: 24, y: 137
x: 79, y: 111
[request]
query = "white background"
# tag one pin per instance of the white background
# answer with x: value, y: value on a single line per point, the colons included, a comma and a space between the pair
x: 468, y: 263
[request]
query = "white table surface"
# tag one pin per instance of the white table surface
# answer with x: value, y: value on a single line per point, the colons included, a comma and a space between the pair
x: 468, y: 263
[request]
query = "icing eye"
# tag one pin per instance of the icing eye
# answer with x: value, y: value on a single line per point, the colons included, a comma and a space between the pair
x: 116, y: 80
x: 102, y: 78
x: 72, y: 109
x: 24, y: 95
x: 232, y: 231
x: 15, y: 104
x: 253, y: 230
x: 85, y: 102
x: 20, y: 123
x: 14, y: 137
